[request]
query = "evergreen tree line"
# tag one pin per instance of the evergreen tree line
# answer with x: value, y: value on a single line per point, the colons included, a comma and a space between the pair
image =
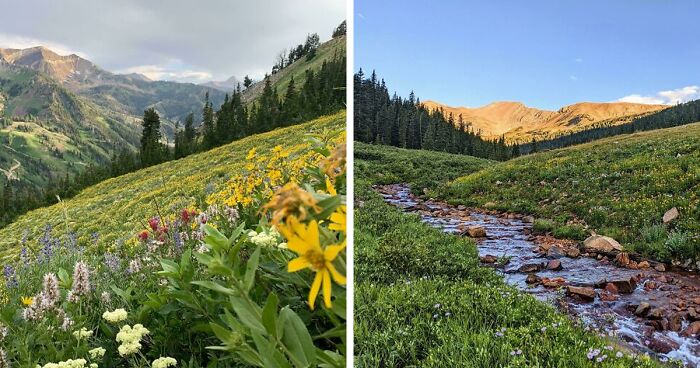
x: 680, y: 114
x: 406, y: 123
x: 322, y: 92
x: 308, y: 49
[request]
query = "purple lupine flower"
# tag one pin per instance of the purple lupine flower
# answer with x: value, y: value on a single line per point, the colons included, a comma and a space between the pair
x: 179, y: 243
x: 24, y: 256
x: 10, y: 277
x: 72, y: 241
x: 95, y: 238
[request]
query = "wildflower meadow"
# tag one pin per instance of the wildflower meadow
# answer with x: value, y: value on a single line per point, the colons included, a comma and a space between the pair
x: 249, y: 273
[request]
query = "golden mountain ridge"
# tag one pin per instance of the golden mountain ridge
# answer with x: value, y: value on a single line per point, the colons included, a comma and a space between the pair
x: 518, y: 122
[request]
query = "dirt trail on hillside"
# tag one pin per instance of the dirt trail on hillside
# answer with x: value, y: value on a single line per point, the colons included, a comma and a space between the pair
x: 644, y: 309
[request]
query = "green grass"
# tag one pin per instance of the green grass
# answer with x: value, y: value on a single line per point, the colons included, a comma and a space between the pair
x: 117, y: 207
x: 619, y: 186
x: 421, y: 299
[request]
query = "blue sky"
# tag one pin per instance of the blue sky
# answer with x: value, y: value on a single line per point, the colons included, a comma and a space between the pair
x: 544, y: 53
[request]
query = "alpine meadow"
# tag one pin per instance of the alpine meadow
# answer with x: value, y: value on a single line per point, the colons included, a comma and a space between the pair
x: 527, y: 185
x: 156, y: 212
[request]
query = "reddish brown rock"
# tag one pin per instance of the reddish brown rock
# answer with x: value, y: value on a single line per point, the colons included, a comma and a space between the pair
x: 660, y: 267
x: 642, y: 309
x: 585, y: 293
x: 489, y: 259
x: 553, y: 282
x: 573, y: 253
x: 611, y: 288
x: 675, y: 322
x: 643, y: 265
x: 622, y: 259
x: 475, y: 232
x: 662, y: 345
x: 625, y: 286
x: 693, y: 329
x: 554, y: 265
x: 608, y: 296
x: 530, y: 267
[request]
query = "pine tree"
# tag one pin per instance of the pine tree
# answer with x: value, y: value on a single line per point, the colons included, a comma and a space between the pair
x: 152, y: 150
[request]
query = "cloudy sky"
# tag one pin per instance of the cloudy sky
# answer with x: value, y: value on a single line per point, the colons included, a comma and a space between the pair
x: 545, y: 53
x: 193, y: 41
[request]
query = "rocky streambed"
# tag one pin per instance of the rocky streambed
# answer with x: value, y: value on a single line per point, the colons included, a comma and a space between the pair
x: 638, y: 302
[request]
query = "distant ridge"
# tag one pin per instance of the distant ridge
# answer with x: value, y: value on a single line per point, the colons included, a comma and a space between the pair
x: 518, y: 122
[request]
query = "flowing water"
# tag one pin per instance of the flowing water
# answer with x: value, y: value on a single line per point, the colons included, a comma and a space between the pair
x: 675, y: 294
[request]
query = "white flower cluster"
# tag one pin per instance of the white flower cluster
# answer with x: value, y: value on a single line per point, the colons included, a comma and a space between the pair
x: 266, y: 238
x: 70, y: 363
x: 97, y: 353
x: 115, y: 316
x: 130, y: 337
x: 83, y: 333
x: 164, y: 362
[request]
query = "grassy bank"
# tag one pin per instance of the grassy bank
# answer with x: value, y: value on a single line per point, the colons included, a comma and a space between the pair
x: 421, y: 299
x: 619, y: 186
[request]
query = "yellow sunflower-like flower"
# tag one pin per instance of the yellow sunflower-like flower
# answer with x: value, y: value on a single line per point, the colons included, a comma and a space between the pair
x: 291, y: 200
x: 304, y: 240
x: 339, y: 219
x: 335, y: 163
x: 27, y: 300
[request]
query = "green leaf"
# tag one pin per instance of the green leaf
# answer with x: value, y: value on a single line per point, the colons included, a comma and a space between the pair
x: 64, y: 278
x: 248, y: 314
x: 214, y: 238
x: 297, y: 339
x: 269, y: 314
x: 215, y: 286
x: 251, y: 268
x: 270, y: 356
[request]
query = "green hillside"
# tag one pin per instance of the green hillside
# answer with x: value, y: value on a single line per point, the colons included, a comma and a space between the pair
x: 50, y: 131
x: 327, y: 51
x: 619, y: 186
x: 117, y: 207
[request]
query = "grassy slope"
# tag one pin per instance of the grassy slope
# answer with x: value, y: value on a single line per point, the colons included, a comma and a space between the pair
x: 117, y: 207
x: 619, y: 186
x: 420, y: 298
x: 327, y: 51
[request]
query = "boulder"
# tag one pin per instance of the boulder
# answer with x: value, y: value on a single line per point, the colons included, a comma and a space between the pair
x: 643, y: 265
x: 585, y: 293
x: 675, y: 322
x: 475, y: 232
x: 530, y: 267
x: 656, y: 313
x: 662, y: 345
x: 553, y: 282
x: 622, y: 259
x: 555, y: 252
x: 692, y: 329
x: 670, y: 215
x: 533, y: 279
x: 611, y: 288
x: 489, y: 259
x: 642, y: 309
x: 554, y: 265
x: 573, y: 253
x: 601, y: 244
x: 625, y: 286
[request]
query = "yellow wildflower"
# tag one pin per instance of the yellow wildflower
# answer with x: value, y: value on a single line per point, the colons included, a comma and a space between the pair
x: 339, y: 219
x: 304, y: 240
x: 335, y: 163
x: 251, y: 154
x: 291, y: 200
x: 27, y: 300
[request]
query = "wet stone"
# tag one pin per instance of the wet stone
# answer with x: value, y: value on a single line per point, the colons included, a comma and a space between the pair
x: 584, y: 293
x: 555, y: 252
x: 489, y: 259
x: 554, y: 265
x: 533, y: 279
x: 642, y: 309
x: 530, y: 267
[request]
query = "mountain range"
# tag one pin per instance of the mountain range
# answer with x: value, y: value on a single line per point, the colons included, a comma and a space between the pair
x: 520, y: 123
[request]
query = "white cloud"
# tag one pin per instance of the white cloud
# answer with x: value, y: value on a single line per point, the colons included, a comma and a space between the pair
x: 578, y: 60
x: 669, y: 97
x: 10, y: 41
x: 158, y: 72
